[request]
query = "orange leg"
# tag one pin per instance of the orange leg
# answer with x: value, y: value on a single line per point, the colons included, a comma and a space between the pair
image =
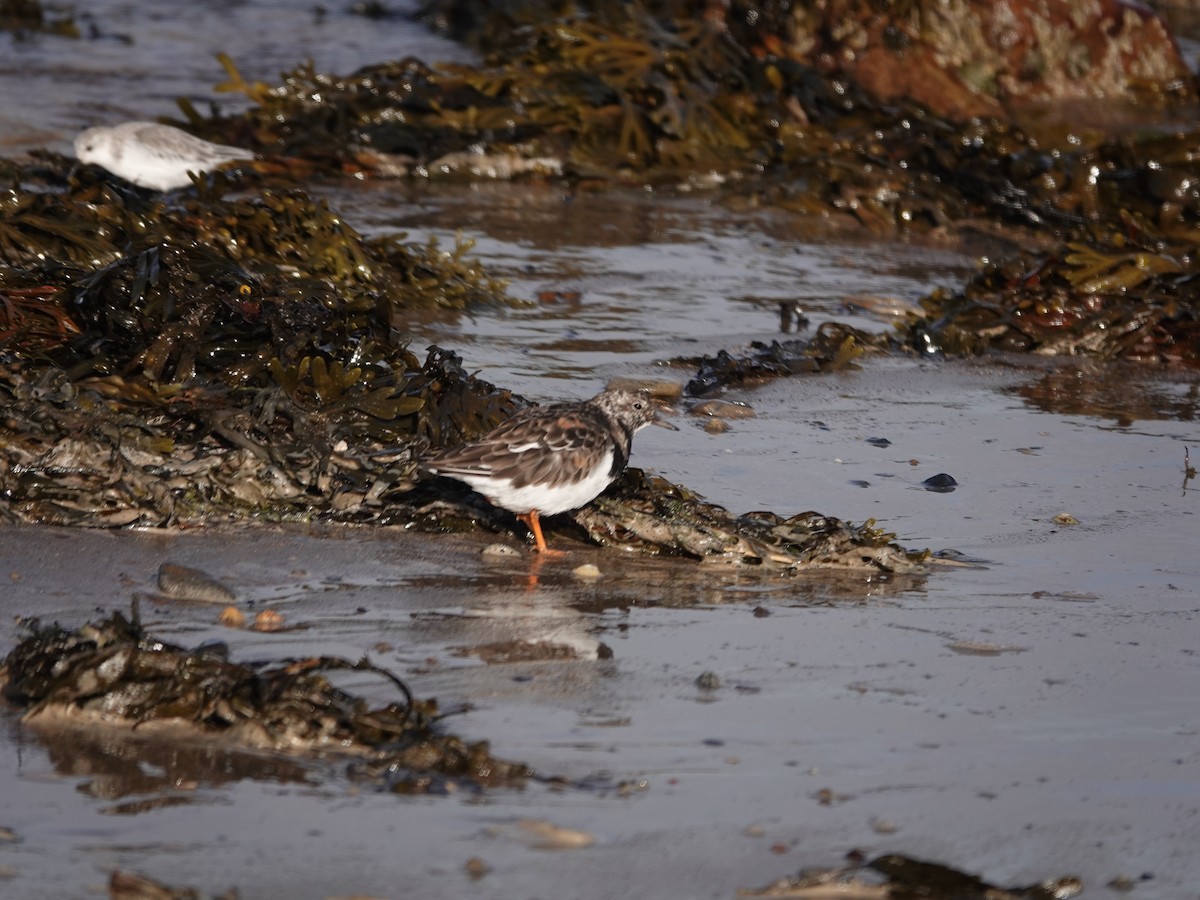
x: 531, y: 519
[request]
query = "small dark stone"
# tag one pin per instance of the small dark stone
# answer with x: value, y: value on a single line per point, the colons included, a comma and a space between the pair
x: 940, y: 483
x: 708, y: 681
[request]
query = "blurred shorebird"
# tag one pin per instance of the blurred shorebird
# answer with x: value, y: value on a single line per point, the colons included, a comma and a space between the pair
x: 153, y: 156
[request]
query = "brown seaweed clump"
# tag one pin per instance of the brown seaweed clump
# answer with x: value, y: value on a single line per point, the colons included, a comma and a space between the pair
x: 23, y: 17
x: 834, y: 347
x: 626, y: 95
x: 1134, y: 299
x: 652, y: 515
x: 163, y: 358
x: 647, y: 514
x: 113, y: 672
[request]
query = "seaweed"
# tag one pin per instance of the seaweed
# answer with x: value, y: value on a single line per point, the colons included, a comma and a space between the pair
x: 650, y: 515
x: 833, y: 348
x: 113, y: 671
x: 1119, y: 297
x: 25, y: 17
x: 899, y: 876
x: 774, y: 102
x: 162, y: 355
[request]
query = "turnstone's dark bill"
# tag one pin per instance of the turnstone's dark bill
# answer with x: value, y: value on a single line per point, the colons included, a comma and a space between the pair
x: 153, y: 156
x: 549, y: 459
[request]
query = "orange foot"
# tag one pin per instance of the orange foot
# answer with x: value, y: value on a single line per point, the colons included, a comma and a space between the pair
x: 531, y: 519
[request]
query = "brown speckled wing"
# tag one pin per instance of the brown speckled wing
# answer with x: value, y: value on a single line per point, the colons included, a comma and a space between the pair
x: 556, y: 445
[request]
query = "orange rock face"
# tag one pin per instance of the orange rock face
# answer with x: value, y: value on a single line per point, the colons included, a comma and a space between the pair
x: 976, y: 57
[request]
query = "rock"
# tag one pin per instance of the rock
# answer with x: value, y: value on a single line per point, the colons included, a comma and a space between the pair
x: 586, y: 572
x: 232, y: 617
x: 967, y: 58
x: 185, y: 583
x: 268, y: 620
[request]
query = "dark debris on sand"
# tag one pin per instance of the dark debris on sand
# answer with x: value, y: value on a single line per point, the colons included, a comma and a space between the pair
x: 113, y: 671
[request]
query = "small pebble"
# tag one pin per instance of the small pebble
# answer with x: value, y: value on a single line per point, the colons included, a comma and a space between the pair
x: 629, y: 788
x: 558, y: 296
x: 499, y: 550
x: 267, y: 620
x: 476, y: 868
x: 940, y: 483
x: 1065, y: 519
x: 232, y: 617
x: 545, y: 835
x: 981, y: 648
x: 723, y: 409
x: 879, y: 305
x: 586, y: 572
x: 716, y: 426
x: 659, y: 389
x: 185, y: 583
x: 883, y: 826
x: 708, y: 681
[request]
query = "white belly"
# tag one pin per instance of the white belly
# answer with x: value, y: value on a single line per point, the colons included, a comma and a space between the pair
x: 547, y: 499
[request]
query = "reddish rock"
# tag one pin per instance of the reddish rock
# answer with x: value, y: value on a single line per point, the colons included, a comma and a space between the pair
x: 976, y: 57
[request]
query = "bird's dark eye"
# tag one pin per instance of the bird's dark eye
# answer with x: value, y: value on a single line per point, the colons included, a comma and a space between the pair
x: 638, y: 405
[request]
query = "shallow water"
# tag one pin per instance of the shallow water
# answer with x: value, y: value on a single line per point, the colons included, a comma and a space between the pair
x: 138, y: 58
x: 618, y: 283
x: 1029, y: 717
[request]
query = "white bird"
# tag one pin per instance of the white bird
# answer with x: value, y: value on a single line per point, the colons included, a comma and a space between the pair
x: 151, y: 155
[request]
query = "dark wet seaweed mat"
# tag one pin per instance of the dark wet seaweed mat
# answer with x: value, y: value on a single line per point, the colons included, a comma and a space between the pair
x: 112, y: 671
x: 29, y: 17
x: 164, y: 358
x: 897, y: 877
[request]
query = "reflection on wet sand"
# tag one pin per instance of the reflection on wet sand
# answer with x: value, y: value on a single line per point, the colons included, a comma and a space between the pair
x: 1123, y: 394
x: 156, y: 769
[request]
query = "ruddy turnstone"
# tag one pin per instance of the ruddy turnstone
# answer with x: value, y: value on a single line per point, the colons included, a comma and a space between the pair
x: 152, y: 155
x: 549, y: 459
